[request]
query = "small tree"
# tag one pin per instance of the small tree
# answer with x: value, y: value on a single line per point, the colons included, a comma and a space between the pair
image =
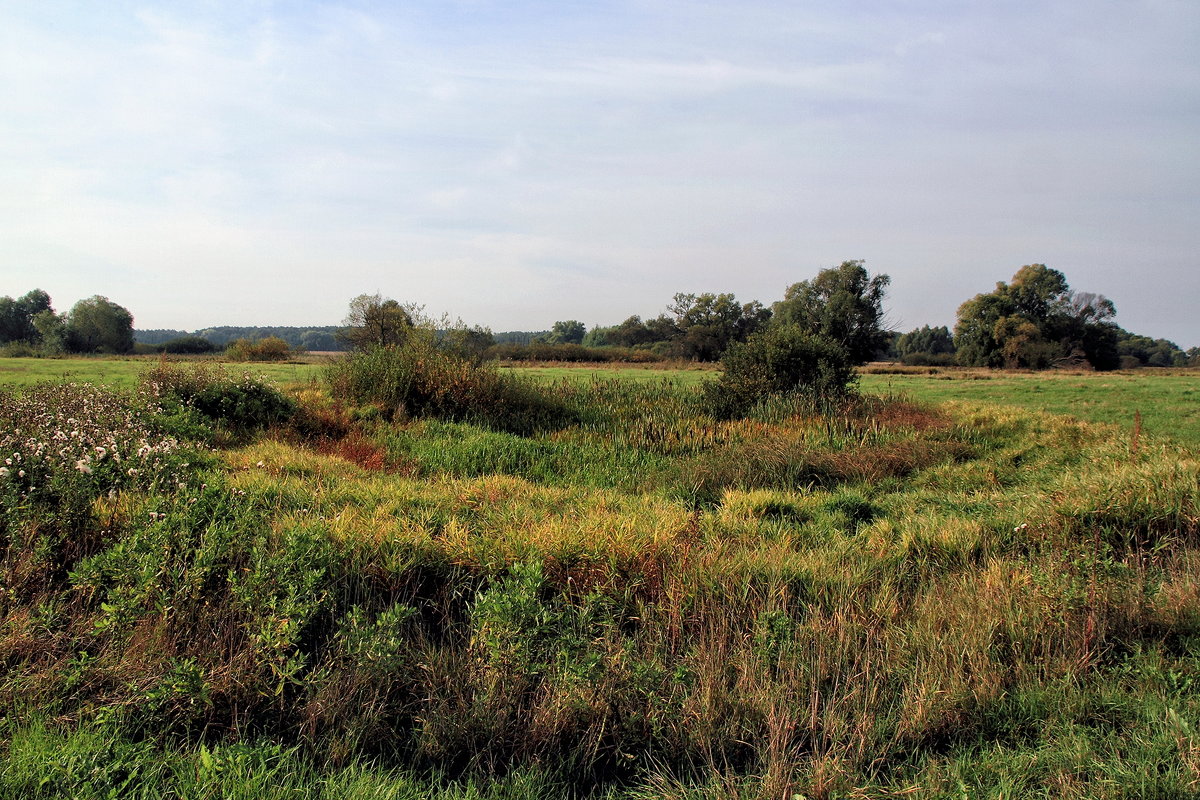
x: 779, y: 361
x: 98, y: 325
x: 567, y: 331
x: 843, y: 304
x: 16, y: 317
x: 373, y: 321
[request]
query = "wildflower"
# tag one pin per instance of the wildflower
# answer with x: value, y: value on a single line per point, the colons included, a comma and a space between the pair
x: 83, y: 466
x: 3, y: 472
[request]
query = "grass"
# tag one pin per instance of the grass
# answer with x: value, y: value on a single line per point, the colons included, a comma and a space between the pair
x: 1167, y: 401
x: 683, y: 374
x: 887, y: 600
x: 123, y: 372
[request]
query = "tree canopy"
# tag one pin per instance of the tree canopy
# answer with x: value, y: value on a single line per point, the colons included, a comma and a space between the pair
x: 16, y: 316
x: 373, y: 321
x: 98, y: 325
x: 1037, y: 321
x: 843, y: 304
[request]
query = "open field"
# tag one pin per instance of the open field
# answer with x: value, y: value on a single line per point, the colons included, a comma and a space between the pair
x: 1168, y: 401
x: 632, y: 600
x: 123, y: 372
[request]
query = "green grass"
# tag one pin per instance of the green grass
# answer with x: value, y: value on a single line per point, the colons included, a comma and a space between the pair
x: 641, y: 602
x: 1168, y: 401
x: 690, y: 375
x: 123, y: 372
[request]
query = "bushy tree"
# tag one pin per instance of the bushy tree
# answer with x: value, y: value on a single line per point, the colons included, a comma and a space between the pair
x: 780, y: 360
x: 705, y: 325
x: 98, y: 325
x: 567, y: 331
x: 373, y: 321
x: 16, y: 317
x: 271, y: 348
x: 630, y: 333
x: 843, y: 304
x: 471, y: 343
x: 1035, y: 322
x: 1142, y: 351
x: 925, y: 343
x: 186, y: 345
x: 52, y: 331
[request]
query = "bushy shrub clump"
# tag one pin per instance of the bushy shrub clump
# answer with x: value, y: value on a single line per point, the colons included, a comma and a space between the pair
x: 574, y: 353
x: 271, y: 348
x: 185, y: 345
x: 781, y: 360
x: 239, y: 405
x: 420, y: 379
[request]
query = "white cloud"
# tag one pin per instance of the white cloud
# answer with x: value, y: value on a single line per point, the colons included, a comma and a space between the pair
x: 503, y: 161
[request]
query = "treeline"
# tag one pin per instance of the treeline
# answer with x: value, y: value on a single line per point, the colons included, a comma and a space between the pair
x: 29, y: 325
x: 1034, y: 321
x: 317, y: 338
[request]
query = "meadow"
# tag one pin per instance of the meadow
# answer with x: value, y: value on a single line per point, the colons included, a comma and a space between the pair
x: 1167, y: 402
x: 212, y: 588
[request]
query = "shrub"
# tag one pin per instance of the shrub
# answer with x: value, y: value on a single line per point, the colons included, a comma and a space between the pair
x: 18, y: 350
x: 573, y: 353
x: 780, y: 361
x: 419, y: 379
x: 239, y: 405
x: 186, y: 345
x: 271, y: 348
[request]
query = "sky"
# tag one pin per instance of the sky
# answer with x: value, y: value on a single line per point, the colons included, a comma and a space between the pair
x: 516, y: 163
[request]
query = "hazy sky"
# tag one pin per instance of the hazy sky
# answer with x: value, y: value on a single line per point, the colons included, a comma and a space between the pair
x: 515, y: 163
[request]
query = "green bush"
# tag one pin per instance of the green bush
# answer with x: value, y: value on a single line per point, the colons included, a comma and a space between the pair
x: 780, y: 361
x: 271, y: 348
x: 420, y: 379
x: 186, y: 345
x: 238, y: 405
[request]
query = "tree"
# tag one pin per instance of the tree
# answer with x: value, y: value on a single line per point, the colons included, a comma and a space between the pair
x: 569, y: 331
x: 843, y: 304
x: 16, y: 316
x: 98, y: 325
x: 471, y: 344
x: 1142, y: 351
x: 1035, y: 322
x: 925, y: 346
x: 925, y: 340
x: 373, y: 321
x: 707, y: 324
x: 52, y: 331
x: 630, y: 333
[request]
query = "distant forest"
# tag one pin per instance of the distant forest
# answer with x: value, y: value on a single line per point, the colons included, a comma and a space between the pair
x: 315, y: 338
x: 1034, y: 321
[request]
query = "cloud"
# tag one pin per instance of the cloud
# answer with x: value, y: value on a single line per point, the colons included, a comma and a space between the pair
x: 506, y: 160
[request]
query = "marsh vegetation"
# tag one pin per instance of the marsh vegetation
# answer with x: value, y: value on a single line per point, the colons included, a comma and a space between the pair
x: 212, y: 587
